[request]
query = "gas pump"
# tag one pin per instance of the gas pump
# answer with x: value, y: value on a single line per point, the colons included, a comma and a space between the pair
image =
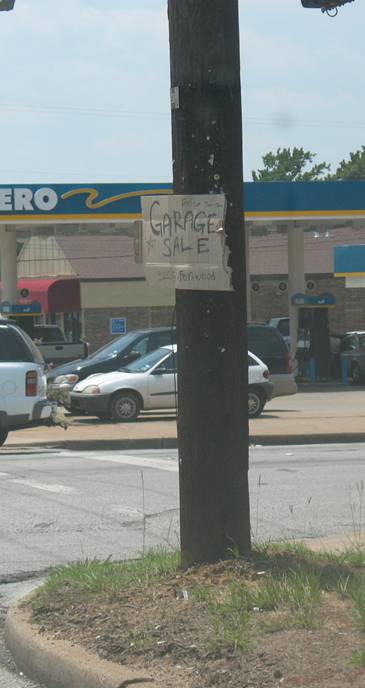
x: 23, y: 314
x: 314, y: 352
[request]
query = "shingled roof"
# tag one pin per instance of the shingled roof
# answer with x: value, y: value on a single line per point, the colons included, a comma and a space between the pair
x: 269, y: 254
x: 101, y: 257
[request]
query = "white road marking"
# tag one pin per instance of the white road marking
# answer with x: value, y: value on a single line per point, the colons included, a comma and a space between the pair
x: 139, y: 461
x: 127, y: 510
x: 4, y: 475
x: 48, y: 487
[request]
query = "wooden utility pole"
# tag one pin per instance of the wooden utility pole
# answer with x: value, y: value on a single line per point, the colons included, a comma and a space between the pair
x: 211, y: 336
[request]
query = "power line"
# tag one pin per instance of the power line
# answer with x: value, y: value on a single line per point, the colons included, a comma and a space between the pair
x: 284, y: 121
x: 287, y: 122
x: 71, y: 110
x: 72, y: 258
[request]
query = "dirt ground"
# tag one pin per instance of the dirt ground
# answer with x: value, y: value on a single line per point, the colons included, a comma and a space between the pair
x: 168, y: 631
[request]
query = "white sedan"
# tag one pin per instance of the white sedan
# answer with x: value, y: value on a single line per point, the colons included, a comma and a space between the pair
x: 150, y: 383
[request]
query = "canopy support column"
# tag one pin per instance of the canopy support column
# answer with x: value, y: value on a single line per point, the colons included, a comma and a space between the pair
x: 8, y: 263
x: 296, y: 281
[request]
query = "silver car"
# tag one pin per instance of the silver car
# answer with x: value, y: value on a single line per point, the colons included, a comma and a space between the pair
x: 150, y: 383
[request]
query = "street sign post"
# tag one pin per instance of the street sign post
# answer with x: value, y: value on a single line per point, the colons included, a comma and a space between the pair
x: 118, y: 325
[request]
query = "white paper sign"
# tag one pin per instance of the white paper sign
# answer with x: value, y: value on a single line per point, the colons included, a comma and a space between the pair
x: 184, y: 242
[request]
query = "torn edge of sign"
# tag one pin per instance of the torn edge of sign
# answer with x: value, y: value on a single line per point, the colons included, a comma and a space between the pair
x: 226, y: 250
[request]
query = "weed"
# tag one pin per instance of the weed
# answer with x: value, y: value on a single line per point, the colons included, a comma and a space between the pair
x: 357, y: 516
x: 230, y: 618
x: 357, y: 593
x: 202, y: 594
x: 358, y: 659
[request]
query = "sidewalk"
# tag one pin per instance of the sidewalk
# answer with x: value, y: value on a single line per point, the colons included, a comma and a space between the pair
x: 334, y: 414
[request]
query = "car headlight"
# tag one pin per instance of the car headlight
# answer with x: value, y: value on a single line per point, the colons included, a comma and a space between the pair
x: 66, y: 379
x: 91, y: 389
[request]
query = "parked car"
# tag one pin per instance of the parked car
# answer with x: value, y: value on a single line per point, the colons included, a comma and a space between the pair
x: 283, y: 325
x: 23, y: 385
x: 150, y: 383
x: 268, y: 344
x: 114, y: 355
x: 352, y: 350
x: 265, y: 342
x: 54, y: 347
x: 260, y: 386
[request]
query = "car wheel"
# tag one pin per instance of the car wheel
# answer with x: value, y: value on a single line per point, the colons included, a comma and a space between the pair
x: 125, y: 407
x: 256, y: 402
x: 355, y: 374
x: 3, y: 436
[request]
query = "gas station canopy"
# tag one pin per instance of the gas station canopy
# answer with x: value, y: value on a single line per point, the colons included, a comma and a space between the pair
x: 273, y: 202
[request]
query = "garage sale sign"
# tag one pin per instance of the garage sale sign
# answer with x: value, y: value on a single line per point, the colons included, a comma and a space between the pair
x: 184, y: 243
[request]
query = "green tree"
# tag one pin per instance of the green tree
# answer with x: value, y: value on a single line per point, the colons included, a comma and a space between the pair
x: 290, y: 166
x: 354, y: 168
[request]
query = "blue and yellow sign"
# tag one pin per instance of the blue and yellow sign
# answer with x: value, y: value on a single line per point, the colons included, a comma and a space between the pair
x: 76, y: 202
x: 350, y: 261
x: 33, y: 308
x: 107, y: 202
x: 320, y: 301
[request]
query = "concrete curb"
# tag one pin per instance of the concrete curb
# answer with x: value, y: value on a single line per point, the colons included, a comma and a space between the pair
x: 58, y: 663
x: 314, y: 438
x: 95, y: 445
x: 171, y: 442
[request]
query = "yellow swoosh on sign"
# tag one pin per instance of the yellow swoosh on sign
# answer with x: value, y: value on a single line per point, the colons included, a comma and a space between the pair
x: 93, y: 194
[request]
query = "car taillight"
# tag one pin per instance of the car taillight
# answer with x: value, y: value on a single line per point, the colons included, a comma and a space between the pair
x: 289, y: 365
x: 266, y: 374
x: 31, y: 383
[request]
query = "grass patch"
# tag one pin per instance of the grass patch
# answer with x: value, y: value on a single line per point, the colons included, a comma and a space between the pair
x: 105, y: 577
x: 279, y: 587
x: 230, y: 618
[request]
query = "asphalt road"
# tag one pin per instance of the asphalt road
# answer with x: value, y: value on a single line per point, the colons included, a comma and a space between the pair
x: 57, y: 506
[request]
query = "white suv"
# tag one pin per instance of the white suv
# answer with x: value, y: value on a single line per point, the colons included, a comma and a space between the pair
x: 23, y: 385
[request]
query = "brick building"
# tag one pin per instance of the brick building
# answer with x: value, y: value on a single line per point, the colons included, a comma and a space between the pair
x: 112, y: 284
x: 269, y: 273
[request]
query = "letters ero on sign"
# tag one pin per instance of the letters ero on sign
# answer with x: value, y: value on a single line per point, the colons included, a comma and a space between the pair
x: 22, y: 199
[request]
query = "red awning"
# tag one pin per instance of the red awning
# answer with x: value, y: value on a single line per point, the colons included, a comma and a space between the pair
x: 54, y: 295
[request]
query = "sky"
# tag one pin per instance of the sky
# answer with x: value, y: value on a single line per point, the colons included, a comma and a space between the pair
x: 84, y: 87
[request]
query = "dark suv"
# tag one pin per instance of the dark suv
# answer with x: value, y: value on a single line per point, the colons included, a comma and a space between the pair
x: 269, y: 345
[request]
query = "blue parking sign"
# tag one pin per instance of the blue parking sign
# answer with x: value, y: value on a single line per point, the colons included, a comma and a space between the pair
x: 118, y: 325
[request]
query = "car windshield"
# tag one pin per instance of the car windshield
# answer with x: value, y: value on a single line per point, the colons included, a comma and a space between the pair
x: 265, y: 341
x: 113, y: 348
x: 142, y: 365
